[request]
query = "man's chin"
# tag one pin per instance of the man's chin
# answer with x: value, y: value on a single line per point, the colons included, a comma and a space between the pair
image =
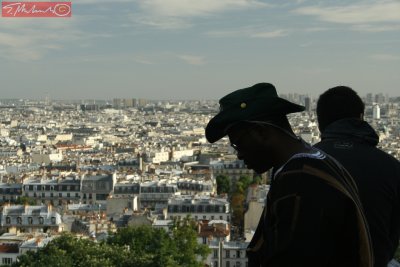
x: 258, y: 169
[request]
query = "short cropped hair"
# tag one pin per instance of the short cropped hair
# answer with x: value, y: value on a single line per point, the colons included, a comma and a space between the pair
x: 337, y: 103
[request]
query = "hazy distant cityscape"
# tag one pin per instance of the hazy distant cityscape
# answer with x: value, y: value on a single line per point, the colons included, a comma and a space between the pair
x: 90, y: 167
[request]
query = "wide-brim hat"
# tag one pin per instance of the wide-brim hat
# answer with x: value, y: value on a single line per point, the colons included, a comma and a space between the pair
x: 259, y: 101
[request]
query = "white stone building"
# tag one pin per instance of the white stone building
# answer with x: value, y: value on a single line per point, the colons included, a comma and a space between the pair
x: 227, y: 254
x: 199, y: 208
x: 20, y: 218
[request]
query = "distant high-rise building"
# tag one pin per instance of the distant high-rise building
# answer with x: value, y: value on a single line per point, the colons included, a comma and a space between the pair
x: 380, y: 98
x: 141, y: 102
x: 129, y: 102
x: 368, y: 98
x: 118, y: 103
x: 124, y: 102
x: 47, y: 99
x: 307, y: 103
x: 89, y: 107
x: 376, y: 112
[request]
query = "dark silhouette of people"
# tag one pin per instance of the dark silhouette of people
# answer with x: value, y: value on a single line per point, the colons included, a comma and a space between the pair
x: 352, y: 141
x: 313, y: 215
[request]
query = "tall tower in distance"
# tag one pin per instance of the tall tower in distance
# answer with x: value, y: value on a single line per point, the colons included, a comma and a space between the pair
x: 47, y: 99
x: 307, y: 103
x: 376, y: 112
x: 369, y: 98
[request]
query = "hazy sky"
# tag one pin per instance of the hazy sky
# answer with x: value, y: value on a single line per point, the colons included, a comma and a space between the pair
x: 201, y: 49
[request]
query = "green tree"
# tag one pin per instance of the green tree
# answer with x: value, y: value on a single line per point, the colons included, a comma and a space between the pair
x: 237, y: 205
x: 147, y: 246
x: 156, y: 247
x: 52, y: 256
x: 243, y: 183
x: 223, y: 184
x: 257, y: 180
x: 24, y: 200
x: 68, y: 250
x: 142, y: 246
x: 188, y: 250
x: 246, y: 181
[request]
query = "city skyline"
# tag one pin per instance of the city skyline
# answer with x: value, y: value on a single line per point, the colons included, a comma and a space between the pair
x: 175, y: 49
x: 290, y: 96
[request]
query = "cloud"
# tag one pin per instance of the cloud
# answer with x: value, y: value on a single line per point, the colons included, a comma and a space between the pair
x: 316, y: 29
x: 143, y: 61
x: 363, y: 13
x: 178, y: 14
x: 19, y: 47
x: 31, y: 39
x: 12, y: 40
x: 385, y: 57
x: 192, y: 60
x: 307, y: 44
x: 375, y: 28
x: 163, y: 23
x: 190, y: 8
x: 270, y: 34
x: 28, y: 39
x: 250, y: 32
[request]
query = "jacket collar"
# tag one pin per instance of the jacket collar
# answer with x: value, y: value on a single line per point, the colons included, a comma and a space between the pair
x: 351, y: 128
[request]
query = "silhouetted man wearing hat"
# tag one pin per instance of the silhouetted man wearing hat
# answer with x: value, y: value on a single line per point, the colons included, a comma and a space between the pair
x: 313, y: 216
x: 352, y: 141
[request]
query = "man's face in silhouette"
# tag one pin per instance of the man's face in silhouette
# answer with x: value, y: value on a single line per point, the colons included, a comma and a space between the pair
x: 253, y: 145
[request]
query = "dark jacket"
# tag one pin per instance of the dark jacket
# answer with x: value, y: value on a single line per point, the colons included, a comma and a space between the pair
x: 377, y: 174
x: 313, y: 217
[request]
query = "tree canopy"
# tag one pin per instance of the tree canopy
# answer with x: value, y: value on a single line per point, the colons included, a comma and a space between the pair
x: 238, y: 198
x: 243, y: 183
x: 142, y: 246
x: 24, y: 200
x: 223, y: 184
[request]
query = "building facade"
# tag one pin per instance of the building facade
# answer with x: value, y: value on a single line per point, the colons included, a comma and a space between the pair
x: 204, y: 208
x: 97, y: 188
x: 227, y: 254
x: 53, y: 191
x: 30, y: 219
x: 10, y: 192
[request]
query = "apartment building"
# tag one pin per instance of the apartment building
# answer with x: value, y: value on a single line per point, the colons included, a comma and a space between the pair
x: 53, y: 191
x: 24, y: 218
x: 199, y: 208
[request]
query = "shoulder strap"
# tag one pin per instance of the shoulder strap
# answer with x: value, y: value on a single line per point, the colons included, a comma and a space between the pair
x: 342, y: 181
